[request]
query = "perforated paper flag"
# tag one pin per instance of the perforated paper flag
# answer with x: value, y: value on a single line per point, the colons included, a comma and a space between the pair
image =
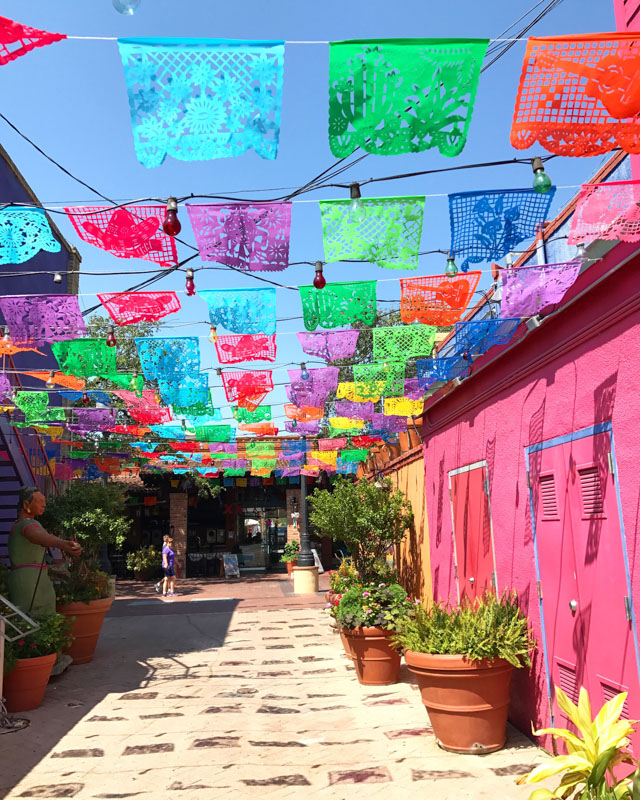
x: 367, y: 377
x: 479, y: 336
x: 527, y: 290
x: 392, y: 96
x: 37, y: 319
x: 199, y: 99
x: 607, y: 211
x: 169, y: 359
x: 338, y: 304
x: 129, y: 232
x: 431, y: 370
x: 127, y: 308
x: 16, y: 40
x: 485, y: 226
x: 85, y: 358
x: 437, y: 299
x: 24, y: 232
x: 244, y: 236
x: 403, y: 341
x: 235, y: 348
x: 579, y: 94
x: 387, y: 233
x: 242, y: 310
x: 329, y: 345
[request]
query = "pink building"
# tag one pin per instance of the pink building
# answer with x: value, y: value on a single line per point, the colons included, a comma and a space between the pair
x: 532, y: 469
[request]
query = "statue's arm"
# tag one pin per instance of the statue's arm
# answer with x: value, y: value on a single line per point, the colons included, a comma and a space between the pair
x: 36, y: 534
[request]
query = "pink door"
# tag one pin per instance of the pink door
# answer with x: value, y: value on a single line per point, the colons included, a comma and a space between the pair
x: 585, y: 590
x: 473, y: 538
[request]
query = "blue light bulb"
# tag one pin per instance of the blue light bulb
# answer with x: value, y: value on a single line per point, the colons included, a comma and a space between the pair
x: 127, y: 7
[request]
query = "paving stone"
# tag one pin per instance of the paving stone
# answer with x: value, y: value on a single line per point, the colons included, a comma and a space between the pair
x: 367, y: 775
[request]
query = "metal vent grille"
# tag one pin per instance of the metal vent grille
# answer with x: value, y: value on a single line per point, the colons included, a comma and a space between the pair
x: 548, y: 496
x: 568, y: 682
x: 608, y: 693
x: 591, y: 491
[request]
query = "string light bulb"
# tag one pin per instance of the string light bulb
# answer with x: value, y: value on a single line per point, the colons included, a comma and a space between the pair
x: 219, y: 372
x: 294, y: 423
x: 171, y: 225
x: 357, y: 212
x: 452, y: 268
x: 190, y: 285
x: 111, y: 337
x: 319, y: 280
x: 85, y: 399
x: 304, y: 372
x: 133, y: 383
x: 57, y: 277
x: 157, y: 399
x: 126, y: 7
x: 7, y: 336
x: 184, y: 424
x: 213, y: 334
x: 581, y: 252
x: 541, y: 181
x: 385, y: 366
x: 50, y: 380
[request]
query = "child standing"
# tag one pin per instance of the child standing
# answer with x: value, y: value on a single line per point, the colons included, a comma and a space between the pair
x: 168, y: 562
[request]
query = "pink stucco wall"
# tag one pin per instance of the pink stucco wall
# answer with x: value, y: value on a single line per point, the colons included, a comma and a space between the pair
x: 580, y: 368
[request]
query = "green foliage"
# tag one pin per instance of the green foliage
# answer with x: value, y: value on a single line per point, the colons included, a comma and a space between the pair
x: 127, y: 359
x: 80, y: 584
x: 291, y: 550
x: 4, y: 580
x: 343, y: 578
x: 489, y: 628
x: 93, y: 513
x: 53, y: 635
x: 368, y: 519
x: 144, y: 559
x: 593, y: 751
x: 205, y: 486
x: 374, y: 605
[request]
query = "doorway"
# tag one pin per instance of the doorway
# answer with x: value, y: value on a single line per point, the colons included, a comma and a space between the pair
x: 584, y: 588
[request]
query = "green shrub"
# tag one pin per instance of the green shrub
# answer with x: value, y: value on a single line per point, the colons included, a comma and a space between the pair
x: 488, y: 628
x: 291, y: 551
x: 145, y: 558
x: 375, y: 605
x: 53, y: 635
x: 79, y: 584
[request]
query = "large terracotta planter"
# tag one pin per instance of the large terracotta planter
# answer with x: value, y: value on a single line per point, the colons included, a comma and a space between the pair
x: 290, y: 566
x: 345, y: 644
x: 467, y: 701
x: 375, y: 660
x: 25, y: 685
x: 87, y: 621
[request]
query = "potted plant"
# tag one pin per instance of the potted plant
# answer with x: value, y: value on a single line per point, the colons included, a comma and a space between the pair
x: 463, y: 658
x: 145, y: 563
x: 368, y: 517
x: 368, y: 616
x: 95, y: 514
x: 597, y: 746
x: 290, y: 555
x: 28, y: 662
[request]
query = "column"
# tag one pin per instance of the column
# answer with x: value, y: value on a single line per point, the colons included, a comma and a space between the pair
x: 178, y: 528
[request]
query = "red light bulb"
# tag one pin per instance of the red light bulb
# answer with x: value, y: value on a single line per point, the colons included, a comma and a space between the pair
x: 171, y: 225
x: 319, y: 280
x: 85, y: 399
x: 190, y: 285
x: 111, y: 337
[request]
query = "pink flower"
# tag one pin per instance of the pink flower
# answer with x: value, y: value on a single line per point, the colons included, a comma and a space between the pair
x: 21, y: 642
x: 328, y: 605
x: 368, y: 611
x: 365, y: 594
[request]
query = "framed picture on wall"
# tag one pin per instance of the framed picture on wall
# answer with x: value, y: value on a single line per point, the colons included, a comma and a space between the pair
x: 222, y: 537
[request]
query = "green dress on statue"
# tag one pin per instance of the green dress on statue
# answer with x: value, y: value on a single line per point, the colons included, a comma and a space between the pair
x: 27, y: 562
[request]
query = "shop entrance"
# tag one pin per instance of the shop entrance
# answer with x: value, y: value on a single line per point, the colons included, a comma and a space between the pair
x: 263, y: 535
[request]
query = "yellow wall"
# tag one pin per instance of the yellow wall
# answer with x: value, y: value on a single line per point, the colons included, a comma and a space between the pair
x: 413, y: 558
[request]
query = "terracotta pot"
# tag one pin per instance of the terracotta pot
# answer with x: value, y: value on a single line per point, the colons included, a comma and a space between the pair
x: 330, y: 597
x: 88, y: 618
x: 375, y: 660
x: 290, y: 566
x: 345, y: 644
x: 24, y: 686
x: 467, y: 701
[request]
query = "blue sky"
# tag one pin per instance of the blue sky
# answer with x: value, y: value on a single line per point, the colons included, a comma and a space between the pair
x: 70, y: 98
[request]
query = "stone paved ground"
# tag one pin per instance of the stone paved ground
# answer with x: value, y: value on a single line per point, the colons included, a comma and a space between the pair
x: 220, y: 698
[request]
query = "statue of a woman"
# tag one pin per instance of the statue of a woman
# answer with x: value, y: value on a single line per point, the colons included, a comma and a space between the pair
x: 29, y: 585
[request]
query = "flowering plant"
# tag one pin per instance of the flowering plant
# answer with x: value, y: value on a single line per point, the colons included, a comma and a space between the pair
x: 80, y: 585
x: 344, y: 577
x: 374, y: 605
x: 53, y: 635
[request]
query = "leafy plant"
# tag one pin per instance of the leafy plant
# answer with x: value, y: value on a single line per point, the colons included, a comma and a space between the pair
x: 592, y: 753
x: 53, y: 635
x: 368, y: 519
x: 79, y: 584
x: 94, y: 513
x: 291, y: 550
x: 490, y: 627
x: 380, y: 605
x: 343, y: 578
x: 4, y: 580
x: 144, y: 559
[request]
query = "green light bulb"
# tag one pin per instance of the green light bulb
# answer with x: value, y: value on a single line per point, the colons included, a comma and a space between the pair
x: 541, y: 181
x: 451, y: 269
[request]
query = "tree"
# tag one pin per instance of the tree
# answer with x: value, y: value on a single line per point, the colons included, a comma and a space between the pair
x: 368, y: 517
x: 127, y: 359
